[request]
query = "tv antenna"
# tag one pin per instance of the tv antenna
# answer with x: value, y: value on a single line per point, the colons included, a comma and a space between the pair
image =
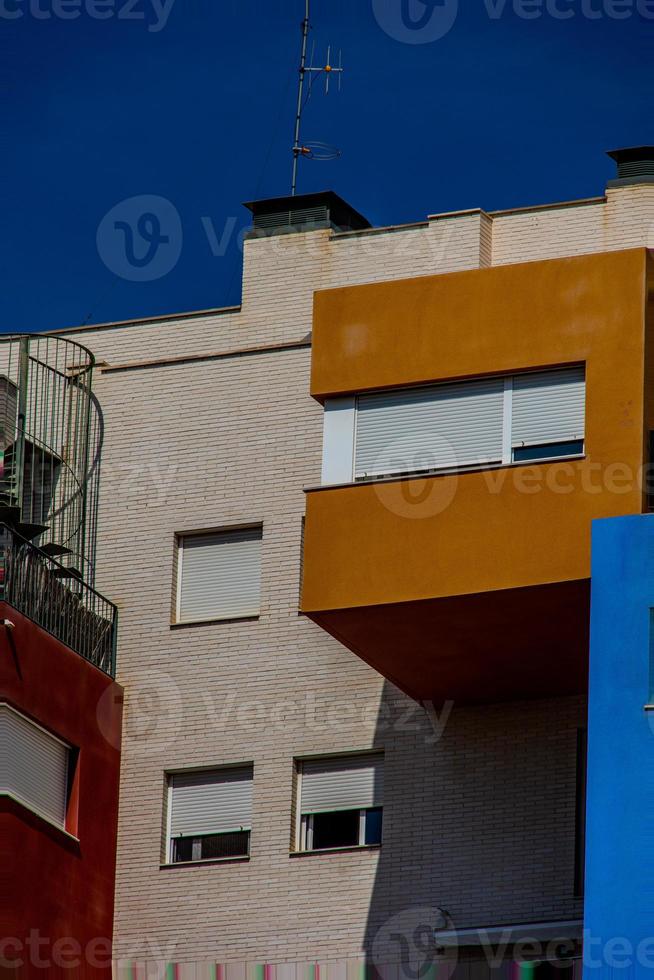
x: 313, y: 150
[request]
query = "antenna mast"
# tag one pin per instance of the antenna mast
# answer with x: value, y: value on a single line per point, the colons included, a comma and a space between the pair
x: 297, y: 149
x: 316, y: 151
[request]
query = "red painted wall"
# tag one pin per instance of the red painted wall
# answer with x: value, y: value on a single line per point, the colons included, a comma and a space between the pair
x: 57, y: 894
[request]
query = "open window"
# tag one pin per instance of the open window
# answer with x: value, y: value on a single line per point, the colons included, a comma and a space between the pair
x: 341, y: 802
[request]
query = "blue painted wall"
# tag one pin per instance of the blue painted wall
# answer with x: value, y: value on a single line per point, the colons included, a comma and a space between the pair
x: 619, y: 914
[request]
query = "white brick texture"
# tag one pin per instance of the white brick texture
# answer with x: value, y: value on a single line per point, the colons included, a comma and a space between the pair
x: 480, y: 822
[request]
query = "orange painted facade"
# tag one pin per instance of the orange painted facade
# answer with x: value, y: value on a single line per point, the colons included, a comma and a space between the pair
x: 384, y: 561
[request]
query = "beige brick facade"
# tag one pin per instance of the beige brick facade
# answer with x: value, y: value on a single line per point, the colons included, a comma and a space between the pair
x: 480, y: 821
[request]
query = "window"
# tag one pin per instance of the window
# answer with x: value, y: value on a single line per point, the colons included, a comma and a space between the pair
x: 433, y: 428
x: 34, y: 766
x: 548, y: 450
x: 219, y: 575
x: 548, y: 414
x: 341, y: 802
x: 491, y: 421
x: 209, y: 815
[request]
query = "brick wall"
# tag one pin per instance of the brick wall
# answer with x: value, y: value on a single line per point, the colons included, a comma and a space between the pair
x: 479, y: 822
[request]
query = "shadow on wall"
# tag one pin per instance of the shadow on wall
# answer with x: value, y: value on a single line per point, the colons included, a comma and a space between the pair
x: 479, y: 823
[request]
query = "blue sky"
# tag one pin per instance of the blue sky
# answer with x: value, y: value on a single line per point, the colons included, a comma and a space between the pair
x: 192, y: 101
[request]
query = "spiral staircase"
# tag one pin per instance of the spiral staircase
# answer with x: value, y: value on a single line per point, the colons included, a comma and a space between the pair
x: 50, y: 441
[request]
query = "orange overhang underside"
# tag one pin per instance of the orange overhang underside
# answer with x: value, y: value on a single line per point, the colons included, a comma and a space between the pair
x: 475, y: 649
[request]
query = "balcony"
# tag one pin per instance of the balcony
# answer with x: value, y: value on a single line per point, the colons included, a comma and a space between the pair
x: 40, y: 588
x: 50, y: 451
x: 471, y: 583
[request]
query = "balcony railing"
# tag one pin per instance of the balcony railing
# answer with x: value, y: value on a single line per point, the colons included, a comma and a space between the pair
x: 51, y: 596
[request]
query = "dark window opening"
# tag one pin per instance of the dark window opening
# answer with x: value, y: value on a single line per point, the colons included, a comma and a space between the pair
x: 550, y: 450
x: 343, y: 828
x: 214, y: 847
x: 373, y: 829
x: 335, y: 829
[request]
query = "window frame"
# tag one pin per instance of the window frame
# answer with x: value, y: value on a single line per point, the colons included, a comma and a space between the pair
x: 171, y: 862
x: 552, y: 457
x: 68, y: 825
x: 180, y: 537
x: 303, y: 832
x: 169, y: 840
x: 335, y: 462
x: 307, y: 830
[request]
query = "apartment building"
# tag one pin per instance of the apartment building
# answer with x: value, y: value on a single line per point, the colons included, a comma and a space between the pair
x: 60, y: 709
x: 347, y: 528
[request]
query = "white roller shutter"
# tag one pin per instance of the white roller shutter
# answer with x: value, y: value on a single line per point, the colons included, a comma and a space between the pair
x: 549, y: 406
x: 436, y: 427
x: 210, y: 802
x: 349, y: 783
x: 220, y: 575
x: 33, y: 766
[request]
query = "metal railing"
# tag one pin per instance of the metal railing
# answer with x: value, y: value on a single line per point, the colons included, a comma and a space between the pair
x: 50, y: 441
x: 42, y: 589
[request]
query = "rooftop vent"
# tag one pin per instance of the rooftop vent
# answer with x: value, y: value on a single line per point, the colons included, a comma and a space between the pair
x: 635, y: 166
x: 305, y: 212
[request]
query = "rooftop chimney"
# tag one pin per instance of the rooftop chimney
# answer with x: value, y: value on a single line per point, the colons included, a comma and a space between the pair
x: 304, y: 212
x: 635, y: 166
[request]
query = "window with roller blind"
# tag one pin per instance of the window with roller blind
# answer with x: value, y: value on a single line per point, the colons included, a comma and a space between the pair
x: 548, y: 410
x: 209, y: 815
x: 340, y: 802
x: 35, y: 766
x: 534, y: 416
x: 431, y: 428
x: 219, y: 575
